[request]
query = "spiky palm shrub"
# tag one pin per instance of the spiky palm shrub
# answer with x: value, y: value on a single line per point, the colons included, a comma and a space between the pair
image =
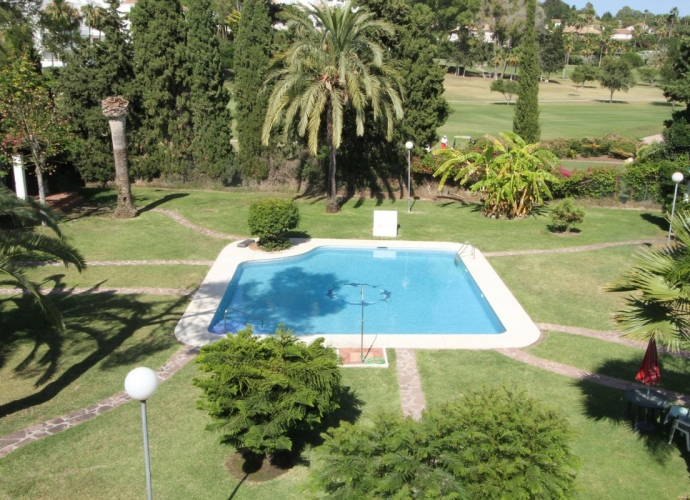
x: 332, y: 65
x: 491, y: 443
x: 659, y: 280
x: 20, y: 241
x: 260, y: 391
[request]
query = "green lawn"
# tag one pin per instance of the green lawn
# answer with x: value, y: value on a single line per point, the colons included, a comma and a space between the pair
x: 105, y: 455
x: 591, y: 163
x: 47, y: 375
x: 608, y: 358
x: 617, y: 463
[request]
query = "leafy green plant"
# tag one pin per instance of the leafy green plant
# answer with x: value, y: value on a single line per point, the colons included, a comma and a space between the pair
x: 508, y: 88
x: 566, y: 214
x: 491, y: 443
x: 260, y: 391
x: 271, y: 220
x: 596, y: 182
x: 513, y: 175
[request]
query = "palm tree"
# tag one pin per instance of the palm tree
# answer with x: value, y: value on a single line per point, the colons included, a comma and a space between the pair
x: 63, y: 21
x: 496, y: 60
x: 514, y: 60
x: 604, y: 41
x: 569, y: 47
x: 20, y: 242
x: 116, y: 109
x: 332, y: 64
x: 88, y: 12
x: 659, y: 280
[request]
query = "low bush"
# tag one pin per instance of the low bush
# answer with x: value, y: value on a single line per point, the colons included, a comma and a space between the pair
x: 596, y: 182
x: 565, y: 215
x: 260, y: 391
x: 491, y: 443
x: 271, y: 220
x: 610, y: 145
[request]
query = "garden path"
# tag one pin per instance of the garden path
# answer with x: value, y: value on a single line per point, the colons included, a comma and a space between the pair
x: 411, y: 393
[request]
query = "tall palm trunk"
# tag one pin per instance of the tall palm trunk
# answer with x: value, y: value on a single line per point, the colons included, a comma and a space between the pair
x: 332, y: 206
x: 116, y: 108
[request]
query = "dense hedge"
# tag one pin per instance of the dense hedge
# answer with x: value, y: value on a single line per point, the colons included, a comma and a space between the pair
x: 271, y: 220
x: 610, y: 145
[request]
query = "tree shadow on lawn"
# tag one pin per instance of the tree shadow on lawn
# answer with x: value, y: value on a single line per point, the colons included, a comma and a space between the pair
x: 108, y: 320
x: 607, y: 403
x: 162, y: 201
x: 657, y: 220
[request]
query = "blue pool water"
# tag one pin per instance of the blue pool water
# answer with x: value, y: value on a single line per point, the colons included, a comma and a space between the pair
x: 405, y: 291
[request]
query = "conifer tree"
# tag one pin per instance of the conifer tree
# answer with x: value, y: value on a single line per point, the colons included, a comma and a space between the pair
x: 161, y: 68
x: 211, y: 148
x: 94, y: 71
x: 526, y: 119
x: 252, y: 54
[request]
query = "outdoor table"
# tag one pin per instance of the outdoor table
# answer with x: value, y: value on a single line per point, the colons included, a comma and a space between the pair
x: 649, y: 400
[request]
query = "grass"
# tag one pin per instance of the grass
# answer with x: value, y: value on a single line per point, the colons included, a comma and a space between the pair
x: 105, y: 454
x: 441, y: 221
x: 585, y: 164
x: 46, y: 375
x: 566, y: 289
x: 49, y: 375
x: 607, y: 358
x: 617, y: 463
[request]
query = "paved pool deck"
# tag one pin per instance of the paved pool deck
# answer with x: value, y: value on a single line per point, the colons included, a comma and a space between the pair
x: 521, y: 331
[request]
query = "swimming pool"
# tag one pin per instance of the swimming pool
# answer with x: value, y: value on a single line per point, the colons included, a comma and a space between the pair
x: 338, y: 290
x: 512, y: 326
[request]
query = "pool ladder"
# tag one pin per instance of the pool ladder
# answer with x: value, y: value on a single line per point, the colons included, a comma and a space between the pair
x: 467, y: 246
x: 225, y: 317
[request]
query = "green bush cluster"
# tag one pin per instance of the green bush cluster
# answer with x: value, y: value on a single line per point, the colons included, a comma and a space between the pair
x: 596, y: 182
x: 491, y: 443
x: 609, y: 145
x: 566, y: 214
x: 259, y: 392
x: 271, y: 220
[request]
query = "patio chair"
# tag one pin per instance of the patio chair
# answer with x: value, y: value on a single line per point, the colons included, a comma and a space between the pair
x: 675, y: 412
x: 682, y: 425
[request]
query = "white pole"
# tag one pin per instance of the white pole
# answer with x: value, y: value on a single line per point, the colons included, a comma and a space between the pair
x: 677, y: 177
x: 147, y: 460
x: 19, y: 177
x: 409, y: 186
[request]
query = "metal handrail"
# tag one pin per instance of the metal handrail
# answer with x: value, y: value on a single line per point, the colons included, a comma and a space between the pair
x: 225, y: 317
x: 465, y: 246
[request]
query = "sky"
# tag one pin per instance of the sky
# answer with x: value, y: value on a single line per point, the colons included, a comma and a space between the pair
x: 653, y: 6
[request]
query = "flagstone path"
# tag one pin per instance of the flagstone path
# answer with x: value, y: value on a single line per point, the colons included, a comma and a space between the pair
x: 411, y: 394
x: 11, y: 442
x: 207, y: 232
x: 119, y: 291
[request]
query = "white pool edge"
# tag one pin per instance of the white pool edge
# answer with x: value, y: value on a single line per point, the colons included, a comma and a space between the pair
x: 192, y: 329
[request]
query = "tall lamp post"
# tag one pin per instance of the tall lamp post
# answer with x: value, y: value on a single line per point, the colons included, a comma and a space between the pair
x: 409, y: 146
x: 677, y: 177
x: 140, y: 384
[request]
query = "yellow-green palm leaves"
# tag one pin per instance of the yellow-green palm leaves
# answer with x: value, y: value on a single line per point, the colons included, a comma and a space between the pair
x: 512, y: 174
x: 333, y: 64
x: 659, y: 280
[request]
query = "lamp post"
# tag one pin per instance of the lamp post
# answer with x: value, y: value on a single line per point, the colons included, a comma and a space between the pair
x: 409, y: 147
x: 677, y: 177
x: 140, y: 384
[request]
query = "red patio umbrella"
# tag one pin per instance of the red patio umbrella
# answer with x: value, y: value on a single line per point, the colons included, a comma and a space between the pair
x: 649, y: 370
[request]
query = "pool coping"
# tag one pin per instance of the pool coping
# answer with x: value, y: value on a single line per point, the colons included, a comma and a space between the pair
x: 520, y: 331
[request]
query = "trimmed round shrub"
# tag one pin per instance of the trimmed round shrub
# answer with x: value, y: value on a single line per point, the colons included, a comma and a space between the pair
x: 566, y: 214
x: 491, y: 443
x: 271, y: 220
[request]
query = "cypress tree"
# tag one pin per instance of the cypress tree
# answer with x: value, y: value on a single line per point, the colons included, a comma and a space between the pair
x: 526, y: 119
x: 252, y: 55
x: 94, y: 71
x: 211, y: 148
x: 160, y: 62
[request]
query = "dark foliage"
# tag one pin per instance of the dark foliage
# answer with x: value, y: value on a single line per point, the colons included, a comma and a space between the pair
x: 526, y: 119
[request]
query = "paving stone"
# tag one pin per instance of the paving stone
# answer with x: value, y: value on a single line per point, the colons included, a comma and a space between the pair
x: 411, y: 394
x: 206, y: 232
x: 585, y: 248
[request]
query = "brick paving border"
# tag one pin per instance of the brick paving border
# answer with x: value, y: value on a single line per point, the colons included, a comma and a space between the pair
x: 11, y: 442
x: 585, y: 248
x: 572, y: 372
x: 206, y: 232
x: 411, y: 394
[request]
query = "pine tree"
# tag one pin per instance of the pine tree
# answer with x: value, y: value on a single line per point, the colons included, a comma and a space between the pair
x: 211, y: 148
x: 526, y: 119
x: 161, y: 68
x: 252, y: 54
x: 94, y: 71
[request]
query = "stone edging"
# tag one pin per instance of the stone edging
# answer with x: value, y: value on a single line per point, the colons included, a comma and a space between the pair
x: 206, y: 232
x: 585, y: 248
x: 117, y: 291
